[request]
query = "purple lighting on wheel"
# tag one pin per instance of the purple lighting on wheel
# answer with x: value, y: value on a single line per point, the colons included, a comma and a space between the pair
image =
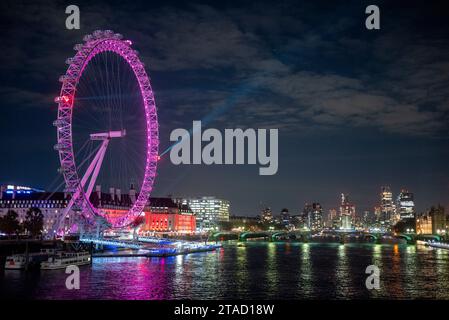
x: 96, y: 44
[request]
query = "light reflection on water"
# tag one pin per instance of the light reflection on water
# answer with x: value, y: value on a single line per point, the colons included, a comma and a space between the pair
x: 272, y: 274
x: 305, y: 283
x: 253, y: 270
x: 342, y: 271
x: 241, y: 274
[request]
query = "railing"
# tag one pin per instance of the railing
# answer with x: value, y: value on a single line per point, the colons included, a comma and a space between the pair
x: 154, y: 240
x: 116, y: 243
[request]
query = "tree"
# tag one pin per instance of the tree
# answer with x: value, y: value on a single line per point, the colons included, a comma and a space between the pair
x: 405, y: 226
x: 225, y: 225
x: 34, y: 221
x: 136, y: 224
x: 10, y: 224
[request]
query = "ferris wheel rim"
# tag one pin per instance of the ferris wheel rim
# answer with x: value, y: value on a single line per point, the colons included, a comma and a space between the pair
x: 95, y: 44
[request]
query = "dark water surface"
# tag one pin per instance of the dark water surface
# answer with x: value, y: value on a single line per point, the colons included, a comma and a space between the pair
x: 254, y: 271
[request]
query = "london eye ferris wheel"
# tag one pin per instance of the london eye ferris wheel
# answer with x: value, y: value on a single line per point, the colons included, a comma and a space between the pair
x: 107, y: 127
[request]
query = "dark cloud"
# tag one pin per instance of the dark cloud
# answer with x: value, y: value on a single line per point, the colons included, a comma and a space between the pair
x: 312, y: 70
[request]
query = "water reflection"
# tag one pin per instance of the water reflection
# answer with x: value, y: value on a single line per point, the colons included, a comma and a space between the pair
x: 272, y: 274
x: 305, y: 276
x: 241, y: 271
x: 395, y: 284
x: 442, y: 266
x: 254, y: 270
x: 343, y: 273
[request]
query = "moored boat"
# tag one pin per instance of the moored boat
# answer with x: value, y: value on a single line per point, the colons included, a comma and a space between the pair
x: 15, y: 262
x: 62, y: 259
x: 19, y: 261
x: 439, y: 245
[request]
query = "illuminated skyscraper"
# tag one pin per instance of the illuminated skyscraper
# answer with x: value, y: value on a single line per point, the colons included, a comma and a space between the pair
x: 209, y: 211
x: 266, y: 215
x: 313, y: 214
x: 386, y: 206
x: 347, y: 212
x: 284, y: 217
x: 366, y: 220
x: 377, y: 213
x: 332, y: 219
x: 405, y: 205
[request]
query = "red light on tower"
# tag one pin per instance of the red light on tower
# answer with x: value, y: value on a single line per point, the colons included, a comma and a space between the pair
x: 158, y: 158
x: 66, y: 98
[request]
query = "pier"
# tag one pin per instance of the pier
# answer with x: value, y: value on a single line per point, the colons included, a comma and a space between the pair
x: 162, y: 252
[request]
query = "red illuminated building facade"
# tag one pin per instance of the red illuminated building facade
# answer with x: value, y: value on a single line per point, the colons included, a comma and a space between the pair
x: 161, y: 215
x: 164, y: 215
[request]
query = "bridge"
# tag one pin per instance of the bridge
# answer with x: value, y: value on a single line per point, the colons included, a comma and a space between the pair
x: 378, y: 236
x: 272, y: 235
x: 412, y: 237
x: 305, y: 235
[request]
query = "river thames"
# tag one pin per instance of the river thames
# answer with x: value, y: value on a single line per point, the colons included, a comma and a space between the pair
x: 254, y: 270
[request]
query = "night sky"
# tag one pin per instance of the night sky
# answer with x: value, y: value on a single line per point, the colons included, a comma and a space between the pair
x: 356, y: 109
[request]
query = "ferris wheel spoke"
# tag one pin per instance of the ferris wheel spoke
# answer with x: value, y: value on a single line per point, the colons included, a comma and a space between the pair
x: 119, y: 96
x: 115, y: 92
x: 94, y: 100
x: 99, y: 93
x: 103, y: 109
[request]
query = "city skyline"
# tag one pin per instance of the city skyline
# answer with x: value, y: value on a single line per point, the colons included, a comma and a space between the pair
x: 387, y: 204
x: 333, y: 139
x: 211, y: 214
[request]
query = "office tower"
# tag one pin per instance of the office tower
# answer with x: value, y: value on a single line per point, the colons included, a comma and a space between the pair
x: 387, y: 214
x: 405, y: 205
x: 266, y: 215
x: 313, y: 215
x: 209, y: 211
x: 347, y: 212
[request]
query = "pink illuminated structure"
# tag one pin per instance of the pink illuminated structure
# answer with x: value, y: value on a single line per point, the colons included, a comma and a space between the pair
x: 95, y: 44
